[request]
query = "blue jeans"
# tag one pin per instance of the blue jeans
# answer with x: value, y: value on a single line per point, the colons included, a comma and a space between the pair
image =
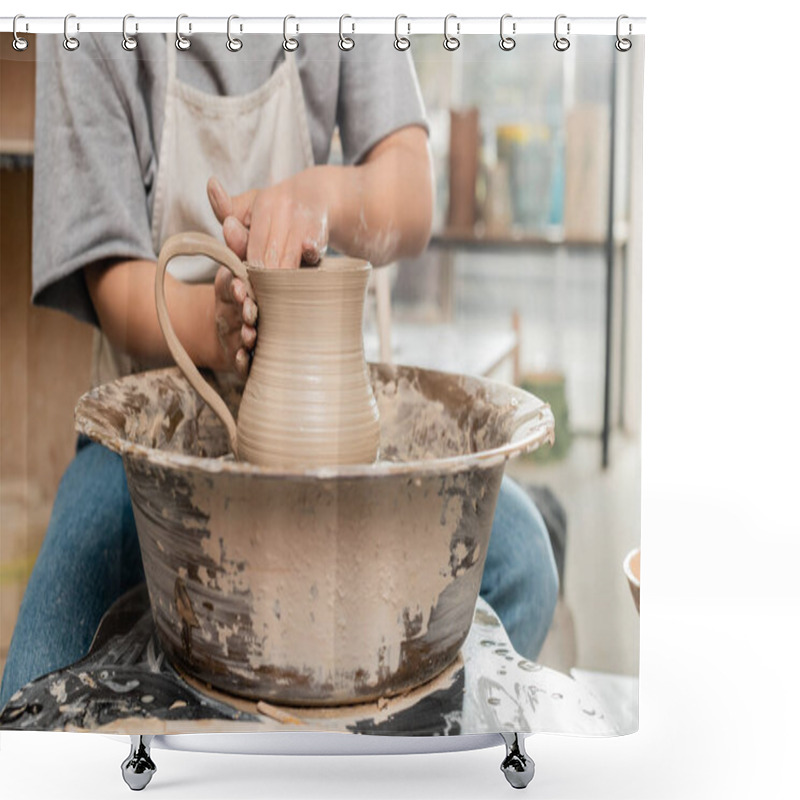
x: 90, y: 557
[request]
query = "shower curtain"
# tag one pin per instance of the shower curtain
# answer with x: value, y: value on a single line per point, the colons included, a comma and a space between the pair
x: 483, y: 575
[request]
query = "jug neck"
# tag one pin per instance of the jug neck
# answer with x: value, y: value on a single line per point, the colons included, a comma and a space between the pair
x: 312, y: 309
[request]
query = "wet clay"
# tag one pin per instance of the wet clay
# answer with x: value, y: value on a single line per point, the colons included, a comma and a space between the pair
x: 308, y: 400
x: 324, y: 585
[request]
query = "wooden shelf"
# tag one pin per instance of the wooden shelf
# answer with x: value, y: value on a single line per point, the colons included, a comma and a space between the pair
x: 16, y: 154
x: 16, y: 147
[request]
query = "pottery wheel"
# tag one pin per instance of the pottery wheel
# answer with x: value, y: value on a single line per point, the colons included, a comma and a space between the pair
x: 126, y: 685
x: 263, y: 581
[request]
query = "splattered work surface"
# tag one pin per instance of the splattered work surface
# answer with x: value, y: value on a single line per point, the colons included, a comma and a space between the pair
x: 125, y: 685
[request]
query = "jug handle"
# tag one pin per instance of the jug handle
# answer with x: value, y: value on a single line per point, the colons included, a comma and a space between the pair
x: 191, y: 244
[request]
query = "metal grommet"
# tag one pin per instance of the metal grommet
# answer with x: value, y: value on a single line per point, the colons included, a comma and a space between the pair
x: 451, y: 43
x: 181, y: 42
x: 561, y: 43
x: 19, y: 44
x: 289, y: 43
x: 128, y: 42
x: 401, y: 43
x: 233, y: 44
x: 507, y: 42
x: 623, y: 45
x: 70, y: 42
x: 345, y: 42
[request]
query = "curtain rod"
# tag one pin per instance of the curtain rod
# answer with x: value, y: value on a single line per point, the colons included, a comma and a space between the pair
x: 517, y: 26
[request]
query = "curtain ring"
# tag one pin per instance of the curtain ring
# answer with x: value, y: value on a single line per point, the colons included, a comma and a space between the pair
x: 233, y: 44
x: 507, y: 42
x: 623, y: 45
x: 346, y: 42
x: 70, y: 42
x: 128, y: 42
x: 561, y: 43
x: 290, y: 44
x: 451, y: 43
x: 181, y: 42
x: 401, y: 43
x: 19, y: 44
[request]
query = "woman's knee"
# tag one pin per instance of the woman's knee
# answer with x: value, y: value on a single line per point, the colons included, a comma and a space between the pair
x: 531, y: 563
x: 89, y: 554
x: 92, y: 506
x: 88, y: 558
x: 520, y: 579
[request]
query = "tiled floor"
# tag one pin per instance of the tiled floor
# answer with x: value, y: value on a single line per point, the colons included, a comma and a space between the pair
x: 596, y: 626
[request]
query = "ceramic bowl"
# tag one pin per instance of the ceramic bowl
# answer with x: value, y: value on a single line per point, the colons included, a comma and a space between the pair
x: 631, y: 567
x: 319, y: 586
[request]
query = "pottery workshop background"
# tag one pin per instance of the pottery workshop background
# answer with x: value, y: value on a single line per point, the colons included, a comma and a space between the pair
x: 531, y: 277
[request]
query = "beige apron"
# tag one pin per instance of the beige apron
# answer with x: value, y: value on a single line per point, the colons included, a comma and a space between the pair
x: 247, y: 141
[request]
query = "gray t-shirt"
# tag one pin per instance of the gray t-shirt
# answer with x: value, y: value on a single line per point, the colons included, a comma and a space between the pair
x: 100, y: 113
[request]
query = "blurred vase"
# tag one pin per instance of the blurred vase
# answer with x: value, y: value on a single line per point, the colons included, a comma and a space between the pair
x: 526, y: 150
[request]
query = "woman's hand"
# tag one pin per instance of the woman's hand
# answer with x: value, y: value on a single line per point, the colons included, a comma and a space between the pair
x: 279, y: 227
x: 380, y: 210
x: 235, y: 316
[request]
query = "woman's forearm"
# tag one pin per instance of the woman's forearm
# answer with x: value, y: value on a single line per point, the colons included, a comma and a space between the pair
x: 124, y: 299
x: 382, y: 209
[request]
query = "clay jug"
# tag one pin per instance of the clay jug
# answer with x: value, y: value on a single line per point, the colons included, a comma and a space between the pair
x: 308, y: 400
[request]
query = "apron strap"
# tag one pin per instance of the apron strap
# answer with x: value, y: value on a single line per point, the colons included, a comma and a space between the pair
x: 172, y: 61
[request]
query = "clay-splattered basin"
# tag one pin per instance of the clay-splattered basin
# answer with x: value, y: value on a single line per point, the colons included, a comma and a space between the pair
x: 322, y: 586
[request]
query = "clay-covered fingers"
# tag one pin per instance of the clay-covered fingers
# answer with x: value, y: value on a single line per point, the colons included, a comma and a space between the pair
x: 249, y: 312
x: 266, y: 224
x: 233, y: 213
x: 235, y: 317
x: 220, y: 200
x: 225, y: 205
x: 280, y: 244
x: 312, y: 253
x: 242, y: 362
x: 222, y: 285
x: 236, y: 236
x: 228, y: 288
x: 248, y: 333
x: 292, y: 252
x: 314, y: 241
x: 275, y: 240
x: 295, y: 240
x: 279, y: 227
x: 288, y: 227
